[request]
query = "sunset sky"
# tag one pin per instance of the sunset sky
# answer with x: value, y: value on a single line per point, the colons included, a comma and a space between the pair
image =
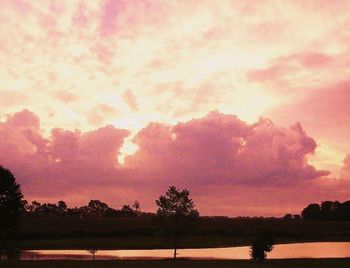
x: 245, y: 103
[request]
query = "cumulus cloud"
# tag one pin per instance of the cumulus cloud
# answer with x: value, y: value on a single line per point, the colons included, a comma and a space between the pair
x: 324, y: 112
x: 212, y: 155
x: 221, y: 149
x: 64, y: 159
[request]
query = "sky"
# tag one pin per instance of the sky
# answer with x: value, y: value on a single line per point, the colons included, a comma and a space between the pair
x: 245, y: 104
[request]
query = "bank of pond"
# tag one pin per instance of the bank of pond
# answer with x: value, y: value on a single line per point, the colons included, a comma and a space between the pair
x: 280, y: 251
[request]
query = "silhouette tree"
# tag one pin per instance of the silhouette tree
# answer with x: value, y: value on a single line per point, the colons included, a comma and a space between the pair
x: 343, y: 211
x: 262, y: 244
x: 137, y: 207
x: 11, y: 206
x: 35, y: 207
x: 311, y: 212
x: 127, y: 211
x: 288, y: 217
x: 93, y: 252
x: 177, y: 212
x: 327, y: 211
x: 62, y: 206
x: 97, y: 208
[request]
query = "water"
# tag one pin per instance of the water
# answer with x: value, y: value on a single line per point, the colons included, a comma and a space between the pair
x: 282, y: 251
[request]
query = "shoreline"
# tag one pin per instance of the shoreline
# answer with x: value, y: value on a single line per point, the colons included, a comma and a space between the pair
x: 276, y: 263
x: 66, y: 243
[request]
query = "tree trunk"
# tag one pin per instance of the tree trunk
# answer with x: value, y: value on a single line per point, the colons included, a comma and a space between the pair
x: 175, y: 237
x: 175, y: 248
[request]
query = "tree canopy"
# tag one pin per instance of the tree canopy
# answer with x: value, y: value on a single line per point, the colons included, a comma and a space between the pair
x: 11, y: 206
x: 94, y: 209
x: 328, y: 211
x: 177, y: 211
x: 261, y: 245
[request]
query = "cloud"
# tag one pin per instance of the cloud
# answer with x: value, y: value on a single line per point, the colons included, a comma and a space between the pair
x: 345, y: 171
x: 65, y: 96
x: 99, y: 113
x: 214, y: 156
x: 64, y: 160
x: 10, y: 98
x: 297, y: 71
x: 221, y: 150
x: 110, y: 15
x: 322, y: 110
x: 180, y: 60
x: 286, y: 65
x: 130, y: 99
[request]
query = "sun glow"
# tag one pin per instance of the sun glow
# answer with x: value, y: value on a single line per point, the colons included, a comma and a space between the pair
x: 127, y: 149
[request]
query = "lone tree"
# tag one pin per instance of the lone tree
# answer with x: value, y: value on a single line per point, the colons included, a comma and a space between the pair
x: 11, y: 205
x: 92, y: 251
x: 177, y: 213
x: 262, y: 244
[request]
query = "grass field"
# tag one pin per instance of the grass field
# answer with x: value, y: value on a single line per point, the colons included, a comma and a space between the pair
x: 142, y: 233
x: 289, y: 263
x: 53, y: 227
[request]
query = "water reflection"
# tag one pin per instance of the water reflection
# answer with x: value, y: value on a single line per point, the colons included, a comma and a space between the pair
x: 298, y: 250
x: 92, y: 252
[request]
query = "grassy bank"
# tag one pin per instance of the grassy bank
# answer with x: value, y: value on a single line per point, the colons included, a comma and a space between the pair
x: 289, y: 263
x: 143, y: 233
x: 58, y: 227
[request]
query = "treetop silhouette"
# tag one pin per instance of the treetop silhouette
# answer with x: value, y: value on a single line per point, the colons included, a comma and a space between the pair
x: 11, y: 206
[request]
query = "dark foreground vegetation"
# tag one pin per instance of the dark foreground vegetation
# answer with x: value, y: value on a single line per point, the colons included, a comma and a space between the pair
x: 289, y: 263
x: 327, y: 211
x: 144, y: 232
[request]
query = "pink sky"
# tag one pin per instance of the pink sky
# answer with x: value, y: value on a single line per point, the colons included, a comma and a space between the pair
x: 246, y: 104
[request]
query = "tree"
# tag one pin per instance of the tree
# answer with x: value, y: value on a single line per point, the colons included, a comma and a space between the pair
x: 311, y: 212
x: 176, y: 211
x: 11, y: 206
x: 62, y: 206
x: 92, y: 251
x: 97, y: 208
x: 262, y: 244
x: 288, y: 217
x: 137, y: 207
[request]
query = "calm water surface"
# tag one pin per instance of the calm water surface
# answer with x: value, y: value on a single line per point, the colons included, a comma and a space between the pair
x: 282, y: 251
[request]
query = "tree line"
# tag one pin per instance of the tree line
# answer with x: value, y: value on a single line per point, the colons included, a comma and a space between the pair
x: 94, y: 209
x: 327, y: 211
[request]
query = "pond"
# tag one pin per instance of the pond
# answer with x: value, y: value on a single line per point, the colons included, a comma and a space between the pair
x: 281, y: 251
